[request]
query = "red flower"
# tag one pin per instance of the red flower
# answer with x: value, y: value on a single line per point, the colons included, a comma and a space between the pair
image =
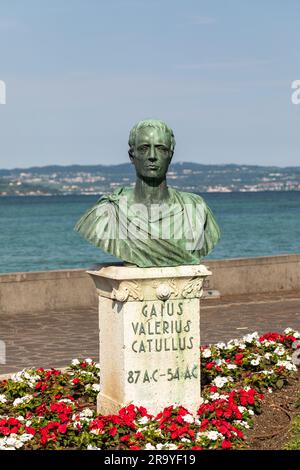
x: 113, y: 431
x: 173, y: 427
x: 226, y: 444
x: 182, y: 411
x: 30, y: 430
x: 210, y: 365
x: 13, y: 421
x: 238, y: 359
x: 14, y: 430
x: 227, y: 413
x: 75, y: 381
x: 62, y: 428
x: 4, y: 430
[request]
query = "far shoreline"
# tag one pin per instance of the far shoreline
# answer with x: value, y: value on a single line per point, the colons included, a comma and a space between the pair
x: 108, y: 192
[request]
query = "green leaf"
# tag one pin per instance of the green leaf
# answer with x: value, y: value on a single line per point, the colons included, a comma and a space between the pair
x: 279, y: 383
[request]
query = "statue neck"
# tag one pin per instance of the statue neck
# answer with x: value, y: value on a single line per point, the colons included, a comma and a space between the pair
x: 151, y: 191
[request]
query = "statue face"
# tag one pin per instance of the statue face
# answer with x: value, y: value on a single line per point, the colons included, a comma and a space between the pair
x: 151, y: 153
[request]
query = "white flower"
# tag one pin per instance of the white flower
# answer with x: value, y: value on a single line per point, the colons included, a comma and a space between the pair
x: 184, y: 439
x: 291, y: 332
x: 75, y: 362
x: 270, y: 390
x: 149, y: 446
x: 220, y: 381
x: 242, y: 423
x: 170, y: 446
x: 89, y: 360
x: 279, y: 351
x: 143, y: 420
x: 251, y: 412
x: 96, y: 387
x: 233, y: 342
x: 213, y: 435
x: 250, y: 338
x: 268, y: 356
x: 221, y: 345
x: 87, y: 412
x: 3, y: 398
x: 25, y: 437
x: 24, y: 376
x: 231, y: 366
x: 219, y: 362
x: 206, y: 353
x: 267, y: 372
x: 215, y: 396
x: 242, y: 409
x: 188, y: 418
x: 65, y: 400
x: 90, y: 447
x: 287, y: 365
x: 13, y: 441
x: 255, y: 362
x: 20, y: 401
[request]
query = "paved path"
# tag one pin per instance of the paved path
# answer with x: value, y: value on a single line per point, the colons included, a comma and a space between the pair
x: 53, y: 339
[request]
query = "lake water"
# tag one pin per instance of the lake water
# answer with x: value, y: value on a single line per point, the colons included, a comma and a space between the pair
x: 36, y: 233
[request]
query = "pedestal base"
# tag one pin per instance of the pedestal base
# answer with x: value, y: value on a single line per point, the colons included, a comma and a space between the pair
x: 149, y: 337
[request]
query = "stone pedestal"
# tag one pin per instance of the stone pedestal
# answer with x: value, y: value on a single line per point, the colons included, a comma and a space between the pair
x: 149, y: 336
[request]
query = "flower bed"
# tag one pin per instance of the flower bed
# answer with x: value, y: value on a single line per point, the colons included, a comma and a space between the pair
x: 50, y: 409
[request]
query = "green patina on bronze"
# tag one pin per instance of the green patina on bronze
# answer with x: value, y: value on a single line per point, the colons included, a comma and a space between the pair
x: 151, y: 224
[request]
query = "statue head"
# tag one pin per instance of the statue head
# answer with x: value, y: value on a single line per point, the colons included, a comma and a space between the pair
x: 151, y: 147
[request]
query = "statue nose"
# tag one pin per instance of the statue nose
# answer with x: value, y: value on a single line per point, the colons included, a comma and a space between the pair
x: 152, y: 155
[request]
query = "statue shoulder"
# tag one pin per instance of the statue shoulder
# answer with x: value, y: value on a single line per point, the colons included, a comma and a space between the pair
x: 115, y: 195
x: 188, y: 198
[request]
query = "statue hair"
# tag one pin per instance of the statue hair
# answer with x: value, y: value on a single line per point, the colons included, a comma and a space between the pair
x: 157, y: 124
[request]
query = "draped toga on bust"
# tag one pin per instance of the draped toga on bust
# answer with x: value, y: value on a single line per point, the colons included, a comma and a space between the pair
x: 180, y: 231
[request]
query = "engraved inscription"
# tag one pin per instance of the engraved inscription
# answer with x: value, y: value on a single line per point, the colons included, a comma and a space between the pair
x: 163, y: 327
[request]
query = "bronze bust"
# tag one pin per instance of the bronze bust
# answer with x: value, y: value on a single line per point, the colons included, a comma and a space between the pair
x: 151, y: 224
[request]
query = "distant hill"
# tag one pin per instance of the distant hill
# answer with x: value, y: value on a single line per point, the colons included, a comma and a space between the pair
x: 188, y: 176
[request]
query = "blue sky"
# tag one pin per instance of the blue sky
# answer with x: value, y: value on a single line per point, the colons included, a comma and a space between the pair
x: 80, y: 73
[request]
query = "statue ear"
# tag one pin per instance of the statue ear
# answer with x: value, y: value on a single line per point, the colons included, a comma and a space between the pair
x: 131, y: 156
